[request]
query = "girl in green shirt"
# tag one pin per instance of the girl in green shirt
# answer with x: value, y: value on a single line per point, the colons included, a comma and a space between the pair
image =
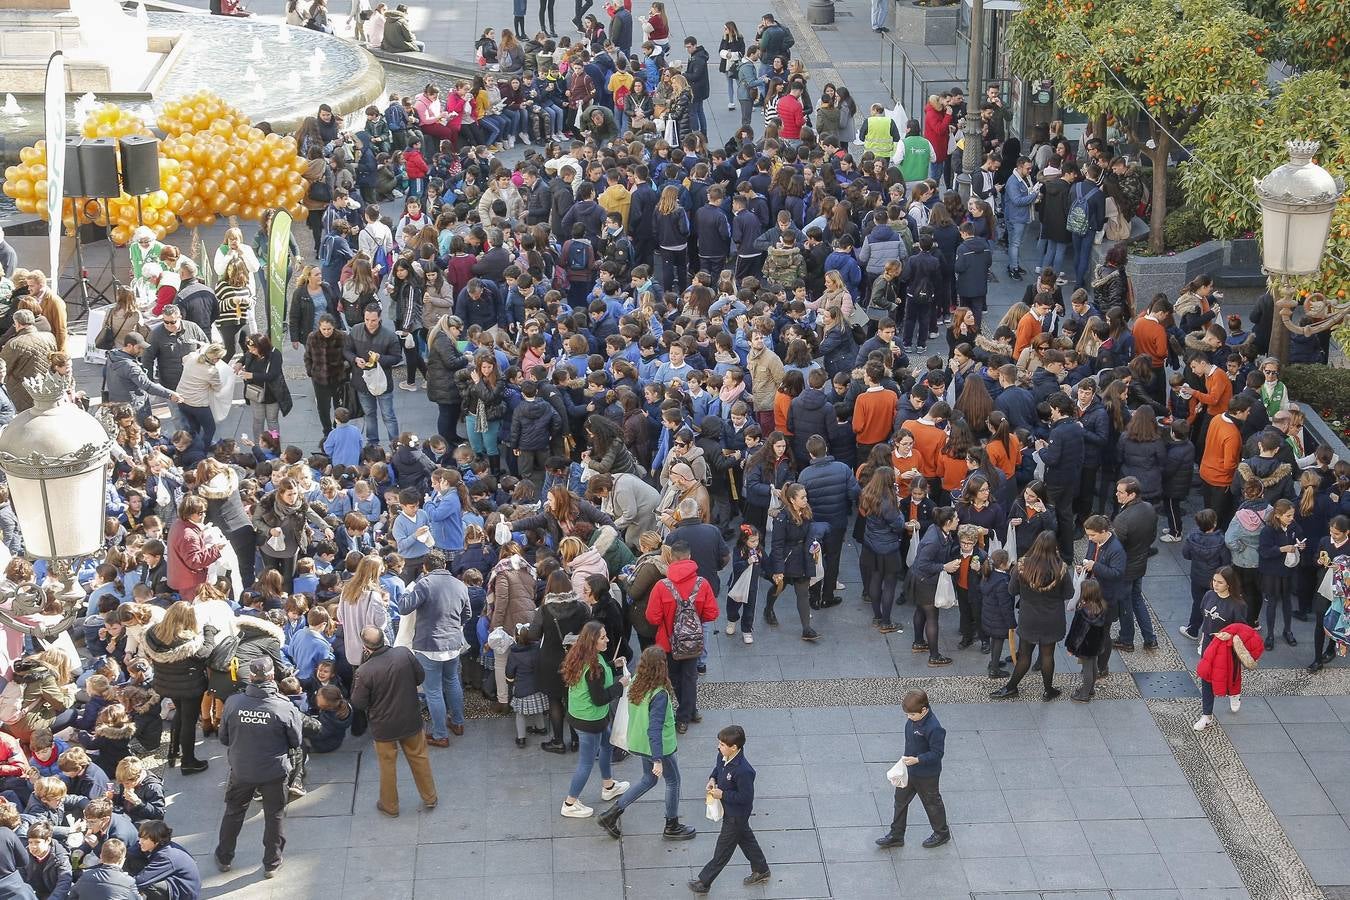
x: 591, y: 692
x: 651, y: 735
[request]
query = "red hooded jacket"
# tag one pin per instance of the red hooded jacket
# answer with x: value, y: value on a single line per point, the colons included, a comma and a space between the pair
x: 661, y: 605
x: 935, y: 126
x: 1223, y: 661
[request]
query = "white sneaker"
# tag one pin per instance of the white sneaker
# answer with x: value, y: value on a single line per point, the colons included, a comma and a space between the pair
x: 407, y: 387
x: 731, y: 628
x: 731, y: 106
x: 614, y: 790
x: 1235, y: 702
x: 525, y: 139
x: 1170, y: 538
x: 510, y: 141
x: 576, y: 810
x: 838, y: 585
x: 1200, y: 725
x: 747, y: 637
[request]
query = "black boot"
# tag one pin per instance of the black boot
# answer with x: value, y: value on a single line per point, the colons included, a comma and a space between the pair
x: 674, y: 831
x: 609, y: 820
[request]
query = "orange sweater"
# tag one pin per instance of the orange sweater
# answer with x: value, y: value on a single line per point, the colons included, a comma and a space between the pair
x: 1223, y: 452
x: 928, y: 443
x: 1005, y: 460
x: 1151, y: 338
x: 781, y: 402
x: 902, y: 464
x: 954, y: 472
x: 1218, y: 391
x: 1027, y: 328
x: 873, y: 416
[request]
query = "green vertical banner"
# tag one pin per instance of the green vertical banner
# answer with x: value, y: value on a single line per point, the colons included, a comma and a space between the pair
x: 278, y: 249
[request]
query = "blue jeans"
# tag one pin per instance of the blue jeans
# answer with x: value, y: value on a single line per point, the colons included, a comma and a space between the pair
x: 1052, y: 253
x: 592, y: 744
x: 1082, y: 256
x: 1015, y: 230
x: 670, y: 772
x: 1133, y: 609
x: 484, y: 443
x: 442, y: 681
x: 698, y: 118
x: 731, y: 90
x: 492, y: 128
x: 384, y: 405
x: 555, y: 117
x: 200, y: 422
x: 517, y: 122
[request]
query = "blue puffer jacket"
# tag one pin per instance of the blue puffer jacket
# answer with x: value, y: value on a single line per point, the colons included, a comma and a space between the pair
x: 997, y: 615
x: 883, y: 531
x: 838, y: 350
x: 809, y: 413
x: 1207, y: 552
x: 1144, y: 460
x: 831, y: 490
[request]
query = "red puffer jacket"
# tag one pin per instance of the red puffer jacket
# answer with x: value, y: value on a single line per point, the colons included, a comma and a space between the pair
x: 1224, y: 661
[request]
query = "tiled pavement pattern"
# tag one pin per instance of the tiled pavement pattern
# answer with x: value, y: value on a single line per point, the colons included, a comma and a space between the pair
x: 1117, y: 799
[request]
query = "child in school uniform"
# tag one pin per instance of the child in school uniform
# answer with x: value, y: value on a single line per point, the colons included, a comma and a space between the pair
x: 733, y: 784
x: 925, y: 745
x: 1087, y: 632
x: 998, y: 615
x: 746, y: 556
x: 528, y: 702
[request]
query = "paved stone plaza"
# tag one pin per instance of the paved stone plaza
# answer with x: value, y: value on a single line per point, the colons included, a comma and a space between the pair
x: 1116, y: 799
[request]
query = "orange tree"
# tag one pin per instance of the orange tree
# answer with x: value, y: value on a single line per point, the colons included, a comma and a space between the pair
x: 1177, y: 57
x: 1243, y: 138
x: 1307, y: 34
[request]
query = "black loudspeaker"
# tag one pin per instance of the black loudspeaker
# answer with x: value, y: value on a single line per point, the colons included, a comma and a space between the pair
x: 98, y: 168
x: 73, y: 180
x: 140, y: 164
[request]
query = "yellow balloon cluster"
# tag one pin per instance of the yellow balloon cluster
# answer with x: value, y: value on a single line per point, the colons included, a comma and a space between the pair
x: 212, y: 163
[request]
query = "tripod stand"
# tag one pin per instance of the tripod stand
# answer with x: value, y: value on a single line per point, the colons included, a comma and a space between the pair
x: 78, y: 309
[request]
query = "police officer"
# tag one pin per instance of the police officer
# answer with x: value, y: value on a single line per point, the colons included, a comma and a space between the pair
x: 260, y: 728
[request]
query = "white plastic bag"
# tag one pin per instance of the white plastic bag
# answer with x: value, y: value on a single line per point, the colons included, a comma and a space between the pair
x: 913, y: 550
x: 1291, y: 559
x: 1010, y: 543
x: 376, y: 381
x: 1072, y: 603
x: 740, y: 591
x: 714, y: 811
x: 277, y: 542
x: 946, y: 592
x: 618, y: 729
x: 898, y: 775
x: 502, y: 534
x: 1326, y: 588
x: 498, y: 640
x: 1039, y: 472
x: 820, y: 570
x: 407, y: 626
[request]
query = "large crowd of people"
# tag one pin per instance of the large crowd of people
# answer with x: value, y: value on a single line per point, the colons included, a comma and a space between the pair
x: 650, y: 359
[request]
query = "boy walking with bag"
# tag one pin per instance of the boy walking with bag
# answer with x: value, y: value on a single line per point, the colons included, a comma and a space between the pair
x: 925, y: 742
x: 732, y: 785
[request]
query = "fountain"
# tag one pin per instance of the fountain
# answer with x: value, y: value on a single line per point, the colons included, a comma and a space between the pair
x: 250, y: 75
x: 12, y: 107
x: 256, y: 54
x: 293, y: 81
x: 283, y: 33
x: 316, y: 63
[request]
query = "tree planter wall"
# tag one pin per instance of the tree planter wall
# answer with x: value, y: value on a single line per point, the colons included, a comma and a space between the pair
x: 1241, y: 264
x: 937, y: 24
x: 1324, y: 432
x: 1168, y: 274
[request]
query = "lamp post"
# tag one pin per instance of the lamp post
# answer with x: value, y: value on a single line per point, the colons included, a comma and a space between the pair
x: 54, y: 457
x: 1297, y: 201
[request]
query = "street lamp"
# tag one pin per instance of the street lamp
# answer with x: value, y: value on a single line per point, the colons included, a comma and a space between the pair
x: 1297, y: 201
x: 54, y: 457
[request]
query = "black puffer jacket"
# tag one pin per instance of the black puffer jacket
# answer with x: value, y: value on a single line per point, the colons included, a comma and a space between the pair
x: 180, y: 664
x: 809, y: 413
x: 444, y: 360
x: 492, y: 398
x: 257, y: 638
x: 1136, y: 526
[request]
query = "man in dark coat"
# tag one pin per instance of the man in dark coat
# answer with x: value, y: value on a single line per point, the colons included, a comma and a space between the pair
x: 974, y: 258
x: 197, y: 301
x: 561, y: 196
x: 696, y: 72
x: 641, y: 214
x: 809, y: 414
x: 707, y: 548
x: 1105, y: 561
x: 621, y: 28
x: 832, y: 491
x: 538, y: 202
x: 1063, y: 458
x: 259, y: 728
x: 126, y: 382
x: 386, y: 690
x: 1136, y: 525
x: 368, y: 345
x: 169, y: 341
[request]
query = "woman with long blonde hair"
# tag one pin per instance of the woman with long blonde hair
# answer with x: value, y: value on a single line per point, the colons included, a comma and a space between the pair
x: 179, y: 649
x: 591, y: 691
x: 363, y: 602
x: 671, y: 228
